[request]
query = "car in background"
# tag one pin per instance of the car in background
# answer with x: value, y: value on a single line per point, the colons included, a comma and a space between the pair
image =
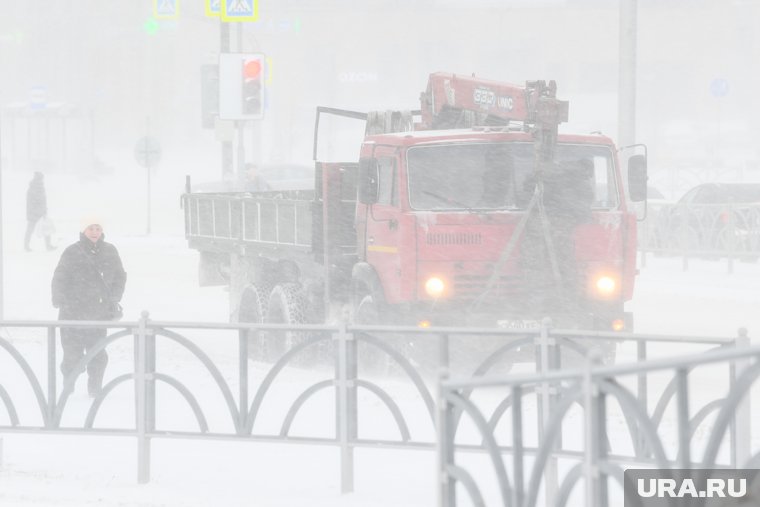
x: 712, y: 219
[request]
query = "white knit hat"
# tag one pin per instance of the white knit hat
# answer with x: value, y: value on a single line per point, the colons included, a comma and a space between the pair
x: 88, y: 220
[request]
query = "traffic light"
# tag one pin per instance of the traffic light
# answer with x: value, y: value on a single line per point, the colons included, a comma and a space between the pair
x: 241, y: 86
x: 150, y: 26
x: 253, y: 87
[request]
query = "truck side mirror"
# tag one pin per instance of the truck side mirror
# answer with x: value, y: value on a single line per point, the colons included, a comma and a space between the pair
x: 368, y: 181
x: 637, y: 178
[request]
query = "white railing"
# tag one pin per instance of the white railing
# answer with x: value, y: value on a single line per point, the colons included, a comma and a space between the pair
x: 231, y: 378
x: 708, y: 426
x: 701, y: 231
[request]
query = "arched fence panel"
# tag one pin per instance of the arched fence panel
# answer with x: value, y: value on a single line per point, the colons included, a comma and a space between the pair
x: 683, y: 437
x: 385, y: 387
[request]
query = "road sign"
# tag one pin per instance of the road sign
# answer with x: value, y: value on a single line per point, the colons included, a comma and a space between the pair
x: 213, y: 8
x: 148, y: 151
x: 719, y: 87
x: 239, y: 10
x: 166, y: 9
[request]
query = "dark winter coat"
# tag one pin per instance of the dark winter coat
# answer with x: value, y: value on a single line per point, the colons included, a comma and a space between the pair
x: 78, y: 290
x: 36, y: 200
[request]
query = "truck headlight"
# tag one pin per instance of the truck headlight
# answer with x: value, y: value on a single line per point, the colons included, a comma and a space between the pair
x: 605, y: 285
x: 435, y: 287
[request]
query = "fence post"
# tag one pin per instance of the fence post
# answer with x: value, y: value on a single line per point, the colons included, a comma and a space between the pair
x: 544, y: 346
x: 741, y: 426
x: 592, y: 434
x: 141, y: 410
x: 444, y: 426
x: 518, y: 462
x: 243, y: 380
x: 602, y: 451
x: 684, y: 426
x: 346, y: 404
x: 642, y: 396
x: 52, y: 378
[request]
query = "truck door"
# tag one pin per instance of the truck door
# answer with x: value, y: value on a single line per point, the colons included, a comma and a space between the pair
x: 333, y: 233
x: 382, y: 235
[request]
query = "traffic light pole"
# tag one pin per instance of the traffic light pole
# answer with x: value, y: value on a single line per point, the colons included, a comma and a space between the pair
x: 240, y: 124
x: 224, y: 47
x: 627, y: 75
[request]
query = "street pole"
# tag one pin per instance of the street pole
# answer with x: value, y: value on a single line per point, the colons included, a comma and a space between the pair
x: 227, y: 163
x: 240, y: 124
x: 627, y: 77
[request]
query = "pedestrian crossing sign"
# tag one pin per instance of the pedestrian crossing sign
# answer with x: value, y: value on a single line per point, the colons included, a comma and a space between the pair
x: 240, y: 10
x: 166, y: 9
x: 213, y: 8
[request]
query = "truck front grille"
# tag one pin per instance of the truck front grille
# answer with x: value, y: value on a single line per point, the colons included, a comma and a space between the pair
x: 454, y: 238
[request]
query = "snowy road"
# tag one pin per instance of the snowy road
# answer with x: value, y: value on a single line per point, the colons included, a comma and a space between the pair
x: 704, y: 300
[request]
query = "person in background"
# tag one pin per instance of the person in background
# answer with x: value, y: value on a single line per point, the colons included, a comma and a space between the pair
x: 36, y: 209
x: 88, y: 280
x: 253, y: 180
x: 498, y: 180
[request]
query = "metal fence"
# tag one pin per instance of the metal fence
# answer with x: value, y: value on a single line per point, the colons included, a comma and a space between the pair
x: 227, y: 373
x: 596, y: 390
x: 701, y: 231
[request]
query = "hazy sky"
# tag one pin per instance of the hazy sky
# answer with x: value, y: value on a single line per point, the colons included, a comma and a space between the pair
x: 696, y: 72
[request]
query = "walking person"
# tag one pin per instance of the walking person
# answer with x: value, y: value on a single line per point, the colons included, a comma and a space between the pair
x: 36, y: 209
x: 87, y: 284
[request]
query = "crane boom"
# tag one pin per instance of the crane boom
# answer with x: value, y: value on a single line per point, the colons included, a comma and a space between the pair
x: 452, y: 101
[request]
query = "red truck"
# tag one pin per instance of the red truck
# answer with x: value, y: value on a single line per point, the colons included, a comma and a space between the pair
x: 480, y: 213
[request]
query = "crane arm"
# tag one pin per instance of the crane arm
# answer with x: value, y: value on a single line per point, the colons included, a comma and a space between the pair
x: 453, y: 101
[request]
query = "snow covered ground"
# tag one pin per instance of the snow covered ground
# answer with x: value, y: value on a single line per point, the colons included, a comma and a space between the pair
x: 46, y: 470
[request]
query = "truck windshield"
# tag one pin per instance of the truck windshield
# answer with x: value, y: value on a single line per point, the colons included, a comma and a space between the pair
x: 470, y: 176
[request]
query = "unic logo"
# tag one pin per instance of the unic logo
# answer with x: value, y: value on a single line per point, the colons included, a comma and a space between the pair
x: 505, y: 103
x: 714, y: 488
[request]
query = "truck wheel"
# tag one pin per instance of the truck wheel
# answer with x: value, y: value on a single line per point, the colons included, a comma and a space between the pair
x: 288, y: 305
x: 252, y: 305
x: 252, y: 308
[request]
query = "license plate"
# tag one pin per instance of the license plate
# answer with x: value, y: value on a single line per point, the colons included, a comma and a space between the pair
x: 518, y: 324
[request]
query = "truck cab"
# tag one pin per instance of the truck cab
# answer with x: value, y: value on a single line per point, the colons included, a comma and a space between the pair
x: 443, y: 237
